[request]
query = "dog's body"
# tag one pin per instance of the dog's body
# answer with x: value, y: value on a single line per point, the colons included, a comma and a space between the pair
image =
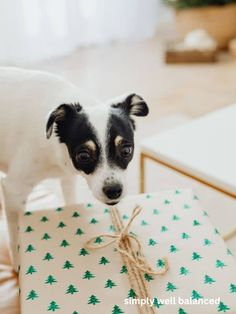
x: 94, y: 141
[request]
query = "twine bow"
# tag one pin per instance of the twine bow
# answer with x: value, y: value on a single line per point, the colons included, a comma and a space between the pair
x: 137, y: 258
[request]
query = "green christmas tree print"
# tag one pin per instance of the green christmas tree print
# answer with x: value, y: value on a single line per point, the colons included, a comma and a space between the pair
x: 196, y: 223
x: 216, y: 231
x: 148, y: 196
x: 50, y: 280
x: 71, y: 290
x: 170, y: 287
x: 131, y: 294
x: 229, y: 252
x: 186, y: 206
x: 89, y: 205
x: 232, y: 288
x: 112, y: 228
x: 46, y: 236
x: 110, y: 284
x: 93, y: 221
x: 44, y: 219
x: 185, y: 236
x: 75, y: 312
x: 93, y: 300
x: 103, y: 261
x: 164, y: 229
x: 175, y: 218
x: 173, y: 249
x: 166, y: 202
x: 64, y: 243
x: 207, y: 242
x: 157, y: 303
x: 98, y: 240
x: 196, y: 295
x: 182, y: 311
x: 177, y: 192
x: 196, y: 256
x: 156, y: 211
x: 61, y: 225
x: 30, y: 248
x: 106, y: 210
x: 161, y: 263
x: 144, y: 223
x: 183, y: 271
x: 29, y: 229
x: 125, y: 217
x: 220, y: 264
x: 117, y: 310
x: 223, y: 307
x: 208, y: 279
x: 53, y: 306
x: 83, y: 252
x: 123, y: 270
x: 79, y: 232
x: 88, y: 275
x: 32, y: 295
x: 148, y: 277
x: 75, y: 215
x: 68, y: 265
x: 31, y: 270
x: 48, y: 257
x: 152, y: 242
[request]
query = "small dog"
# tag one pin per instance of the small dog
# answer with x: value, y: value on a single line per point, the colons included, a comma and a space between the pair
x: 94, y: 141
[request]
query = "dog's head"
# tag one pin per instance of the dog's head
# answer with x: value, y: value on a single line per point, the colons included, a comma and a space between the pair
x: 100, y: 142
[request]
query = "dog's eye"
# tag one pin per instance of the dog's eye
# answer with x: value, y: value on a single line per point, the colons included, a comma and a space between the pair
x: 126, y: 151
x: 83, y: 156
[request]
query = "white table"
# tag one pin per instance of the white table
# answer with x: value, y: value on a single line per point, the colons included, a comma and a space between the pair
x: 203, y: 149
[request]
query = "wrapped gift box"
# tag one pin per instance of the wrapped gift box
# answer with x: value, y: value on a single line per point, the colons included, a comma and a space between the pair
x: 59, y: 274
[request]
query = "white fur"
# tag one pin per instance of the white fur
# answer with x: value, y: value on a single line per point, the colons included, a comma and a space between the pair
x: 27, y: 156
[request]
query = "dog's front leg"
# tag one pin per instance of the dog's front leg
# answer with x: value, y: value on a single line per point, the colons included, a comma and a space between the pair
x: 68, y: 185
x: 15, y: 194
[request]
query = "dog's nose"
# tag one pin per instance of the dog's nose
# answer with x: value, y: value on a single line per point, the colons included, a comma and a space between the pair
x: 113, y: 191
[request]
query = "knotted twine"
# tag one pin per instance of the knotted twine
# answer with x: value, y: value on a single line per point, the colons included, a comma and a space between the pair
x: 132, y: 255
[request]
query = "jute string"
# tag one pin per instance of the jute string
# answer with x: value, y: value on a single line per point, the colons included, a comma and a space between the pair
x: 132, y: 255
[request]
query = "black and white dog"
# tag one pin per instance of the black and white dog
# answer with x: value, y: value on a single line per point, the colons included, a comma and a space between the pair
x: 94, y: 141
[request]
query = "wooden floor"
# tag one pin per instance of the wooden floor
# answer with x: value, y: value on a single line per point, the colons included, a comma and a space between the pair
x: 112, y: 70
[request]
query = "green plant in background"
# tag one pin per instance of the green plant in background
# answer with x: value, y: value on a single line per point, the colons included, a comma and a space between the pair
x: 185, y: 4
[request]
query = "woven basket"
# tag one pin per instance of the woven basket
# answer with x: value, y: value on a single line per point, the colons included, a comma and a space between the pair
x: 218, y: 21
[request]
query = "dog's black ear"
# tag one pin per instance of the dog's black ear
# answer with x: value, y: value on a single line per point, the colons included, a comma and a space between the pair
x: 133, y: 105
x: 60, y: 114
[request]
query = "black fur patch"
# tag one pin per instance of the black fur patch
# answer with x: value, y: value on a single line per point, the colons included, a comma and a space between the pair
x: 119, y: 125
x: 133, y: 105
x: 74, y: 130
